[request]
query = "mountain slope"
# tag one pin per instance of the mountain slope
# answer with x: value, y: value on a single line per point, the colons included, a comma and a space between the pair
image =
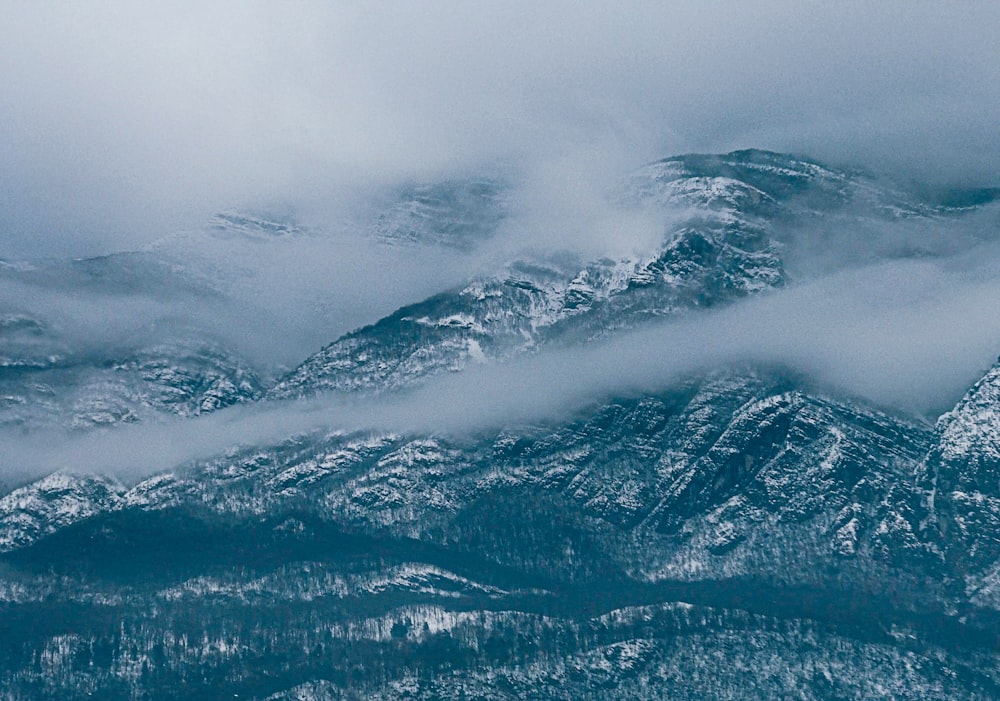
x: 738, y: 534
x: 727, y: 223
x: 765, y: 504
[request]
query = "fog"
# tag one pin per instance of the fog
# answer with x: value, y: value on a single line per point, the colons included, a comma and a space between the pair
x: 125, y: 127
x: 906, y: 336
x: 120, y: 122
x: 273, y: 302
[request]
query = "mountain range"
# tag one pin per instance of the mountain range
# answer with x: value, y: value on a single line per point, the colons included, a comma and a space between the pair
x: 740, y: 532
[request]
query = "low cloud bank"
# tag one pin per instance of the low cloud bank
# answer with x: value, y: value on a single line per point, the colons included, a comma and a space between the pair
x: 273, y: 302
x: 909, y: 336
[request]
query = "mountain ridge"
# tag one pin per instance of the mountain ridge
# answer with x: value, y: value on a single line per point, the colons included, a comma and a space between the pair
x: 735, y: 534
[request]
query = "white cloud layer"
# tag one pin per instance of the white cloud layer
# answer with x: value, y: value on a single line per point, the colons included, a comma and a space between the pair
x: 909, y: 336
x: 122, y: 121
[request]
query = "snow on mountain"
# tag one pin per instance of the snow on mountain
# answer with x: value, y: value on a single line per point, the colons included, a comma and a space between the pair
x: 738, y: 534
x: 723, y: 251
x: 736, y: 492
x: 961, y: 478
x: 970, y: 437
x: 119, y: 338
x: 83, y: 393
x: 736, y: 209
x: 52, y: 503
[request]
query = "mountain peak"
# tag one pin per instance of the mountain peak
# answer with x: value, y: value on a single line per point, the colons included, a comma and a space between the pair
x: 52, y: 503
x: 970, y: 433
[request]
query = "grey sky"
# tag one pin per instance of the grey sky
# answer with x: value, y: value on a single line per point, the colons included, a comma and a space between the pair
x: 120, y: 121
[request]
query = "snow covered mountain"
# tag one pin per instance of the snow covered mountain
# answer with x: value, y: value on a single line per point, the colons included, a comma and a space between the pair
x: 784, y: 518
x: 95, y: 342
x: 742, y: 533
x: 453, y: 214
x: 741, y: 213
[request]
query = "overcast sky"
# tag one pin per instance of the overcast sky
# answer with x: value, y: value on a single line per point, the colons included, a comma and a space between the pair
x: 120, y: 122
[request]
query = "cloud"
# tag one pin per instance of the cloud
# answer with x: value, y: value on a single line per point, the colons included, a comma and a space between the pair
x: 273, y: 301
x: 121, y: 122
x: 909, y: 336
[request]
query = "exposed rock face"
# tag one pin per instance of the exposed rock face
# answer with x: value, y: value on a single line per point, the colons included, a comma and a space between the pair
x: 454, y: 214
x: 961, y: 479
x: 52, y: 503
x: 85, y: 393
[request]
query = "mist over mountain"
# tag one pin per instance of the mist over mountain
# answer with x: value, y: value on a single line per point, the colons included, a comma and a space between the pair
x: 548, y: 351
x: 584, y: 469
